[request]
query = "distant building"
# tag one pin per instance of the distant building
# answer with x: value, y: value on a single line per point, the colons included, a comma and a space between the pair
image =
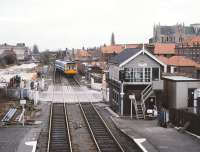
x: 135, y: 71
x: 181, y: 65
x: 162, y: 49
x: 22, y: 52
x: 175, y: 33
x: 190, y: 48
x: 179, y: 91
x: 83, y: 55
x: 113, y: 39
x: 111, y: 50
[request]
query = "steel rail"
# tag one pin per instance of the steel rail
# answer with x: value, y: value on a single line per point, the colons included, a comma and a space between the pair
x: 101, y: 128
x: 108, y: 128
x: 49, y: 136
x: 59, y: 138
x: 73, y: 82
x: 59, y: 133
x: 90, y: 129
x: 68, y: 130
x: 50, y: 121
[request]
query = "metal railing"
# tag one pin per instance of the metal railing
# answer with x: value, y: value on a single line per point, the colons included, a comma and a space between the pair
x: 146, y: 92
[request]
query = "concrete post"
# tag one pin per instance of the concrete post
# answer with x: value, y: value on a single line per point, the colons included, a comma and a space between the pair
x: 131, y: 108
x: 122, y: 96
x: 132, y: 97
x: 42, y: 84
x: 36, y: 97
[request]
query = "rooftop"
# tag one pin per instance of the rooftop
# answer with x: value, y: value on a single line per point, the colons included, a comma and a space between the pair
x: 117, y: 48
x: 192, y: 40
x: 181, y: 61
x: 180, y: 78
x: 112, y: 49
x: 124, y: 55
x: 164, y: 48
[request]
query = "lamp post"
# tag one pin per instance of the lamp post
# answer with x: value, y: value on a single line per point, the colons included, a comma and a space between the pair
x: 132, y: 97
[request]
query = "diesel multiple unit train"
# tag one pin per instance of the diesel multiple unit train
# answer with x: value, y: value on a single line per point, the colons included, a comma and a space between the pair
x: 69, y: 68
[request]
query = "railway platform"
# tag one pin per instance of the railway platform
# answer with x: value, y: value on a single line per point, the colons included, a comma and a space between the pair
x: 155, y: 138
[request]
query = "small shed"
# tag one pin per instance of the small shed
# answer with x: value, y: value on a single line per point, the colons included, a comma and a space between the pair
x: 179, y: 91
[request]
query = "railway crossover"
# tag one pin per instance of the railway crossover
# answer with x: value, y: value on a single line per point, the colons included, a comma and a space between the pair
x: 62, y: 130
x: 102, y: 136
x: 59, y: 135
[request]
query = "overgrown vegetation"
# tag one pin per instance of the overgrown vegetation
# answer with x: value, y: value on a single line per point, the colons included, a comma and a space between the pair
x: 8, y: 59
x: 45, y: 57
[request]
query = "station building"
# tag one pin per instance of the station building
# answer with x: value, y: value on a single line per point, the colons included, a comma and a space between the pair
x: 179, y: 91
x: 135, y: 71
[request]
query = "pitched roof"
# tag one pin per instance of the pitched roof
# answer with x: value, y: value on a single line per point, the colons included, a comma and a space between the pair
x: 167, y: 30
x: 117, y: 48
x: 189, y: 30
x: 163, y: 59
x: 164, y: 48
x: 112, y: 49
x: 82, y: 53
x: 124, y: 55
x: 180, y: 61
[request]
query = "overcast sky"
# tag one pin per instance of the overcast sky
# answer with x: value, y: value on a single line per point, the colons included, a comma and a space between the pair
x: 54, y: 24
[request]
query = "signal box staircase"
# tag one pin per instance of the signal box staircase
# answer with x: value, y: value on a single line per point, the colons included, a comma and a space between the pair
x: 140, y: 105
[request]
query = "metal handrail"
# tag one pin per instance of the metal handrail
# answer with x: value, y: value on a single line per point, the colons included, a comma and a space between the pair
x: 146, y: 88
x: 145, y: 92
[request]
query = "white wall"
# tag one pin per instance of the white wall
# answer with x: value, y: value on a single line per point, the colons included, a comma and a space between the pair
x: 114, y: 72
x: 182, y: 92
x: 96, y: 86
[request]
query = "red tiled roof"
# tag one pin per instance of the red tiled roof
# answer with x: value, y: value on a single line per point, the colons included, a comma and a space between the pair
x: 117, y: 48
x: 82, y: 53
x: 162, y: 48
x: 163, y: 59
x: 179, y: 61
x: 192, y: 40
x: 112, y: 49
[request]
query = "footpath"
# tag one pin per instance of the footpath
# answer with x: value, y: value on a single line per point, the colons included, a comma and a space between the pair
x: 151, y: 137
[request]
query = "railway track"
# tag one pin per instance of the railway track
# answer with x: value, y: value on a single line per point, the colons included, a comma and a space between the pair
x: 101, y: 134
x: 73, y: 82
x: 65, y: 134
x: 80, y: 135
x: 59, y: 135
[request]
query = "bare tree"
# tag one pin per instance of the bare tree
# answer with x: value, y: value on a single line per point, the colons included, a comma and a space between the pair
x: 8, y: 57
x: 35, y: 49
x: 44, y: 57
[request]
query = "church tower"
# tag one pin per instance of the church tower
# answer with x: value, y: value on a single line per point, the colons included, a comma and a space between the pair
x: 113, y: 39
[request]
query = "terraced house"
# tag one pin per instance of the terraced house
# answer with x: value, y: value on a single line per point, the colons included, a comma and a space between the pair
x: 135, y: 71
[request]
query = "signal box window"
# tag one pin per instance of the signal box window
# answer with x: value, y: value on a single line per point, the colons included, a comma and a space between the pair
x: 155, y: 74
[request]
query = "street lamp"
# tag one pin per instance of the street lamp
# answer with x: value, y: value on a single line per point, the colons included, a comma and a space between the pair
x: 132, y: 97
